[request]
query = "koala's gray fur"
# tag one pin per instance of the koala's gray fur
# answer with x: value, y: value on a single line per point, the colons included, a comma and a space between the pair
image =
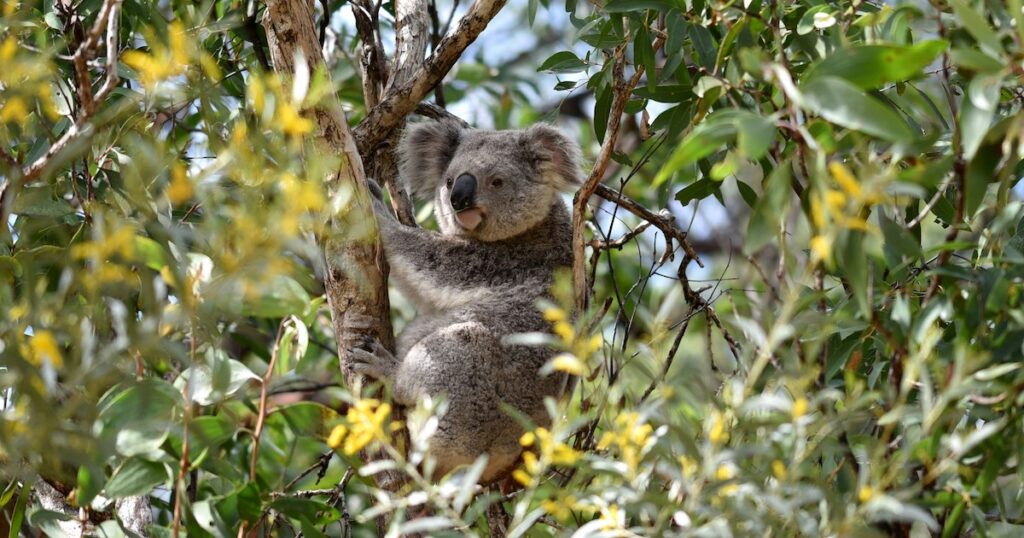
x: 472, y: 287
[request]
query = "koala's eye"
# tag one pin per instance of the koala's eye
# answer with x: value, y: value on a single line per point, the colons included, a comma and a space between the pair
x: 497, y: 183
x: 448, y: 182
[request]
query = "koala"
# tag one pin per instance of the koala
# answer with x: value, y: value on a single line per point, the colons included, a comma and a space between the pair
x: 504, y: 230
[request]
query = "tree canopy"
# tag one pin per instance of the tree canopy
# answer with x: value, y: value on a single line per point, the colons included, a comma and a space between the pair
x: 795, y: 308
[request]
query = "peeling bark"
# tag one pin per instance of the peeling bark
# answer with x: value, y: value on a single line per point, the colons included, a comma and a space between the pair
x: 402, y: 98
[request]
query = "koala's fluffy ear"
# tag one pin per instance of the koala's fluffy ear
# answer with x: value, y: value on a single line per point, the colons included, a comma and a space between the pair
x: 558, y: 157
x: 426, y: 150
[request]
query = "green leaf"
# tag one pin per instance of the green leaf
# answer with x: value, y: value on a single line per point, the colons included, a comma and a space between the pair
x: 770, y: 210
x: 602, y: 109
x: 139, y: 417
x: 666, y: 93
x: 135, y: 477
x: 853, y: 267
x: 844, y: 104
x: 18, y: 514
x: 621, y: 6
x: 978, y: 27
x: 704, y: 140
x: 977, y: 110
x: 975, y: 60
x: 697, y: 190
x: 806, y: 24
x: 562, y: 62
x: 150, y: 253
x: 899, y: 243
x: 90, y: 483
x: 644, y: 52
x: 217, y: 379
x: 754, y: 135
x: 281, y: 296
x: 39, y: 202
x: 872, y: 66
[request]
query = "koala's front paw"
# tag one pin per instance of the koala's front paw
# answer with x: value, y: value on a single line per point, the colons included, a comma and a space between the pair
x: 376, y: 363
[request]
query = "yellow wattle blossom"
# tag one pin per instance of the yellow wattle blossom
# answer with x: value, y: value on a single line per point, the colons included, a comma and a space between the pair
x: 14, y: 110
x: 687, y: 466
x: 165, y: 61
x: 366, y: 421
x: 43, y: 347
x: 8, y: 49
x: 565, y: 362
x: 291, y: 122
x: 865, y: 494
x: 179, y: 190
x: 548, y: 451
x: 631, y: 436
x: 337, y: 436
x: 726, y: 471
x: 612, y: 518
x: 565, y: 331
x: 779, y: 469
x: 821, y: 249
x: 845, y: 179
x: 718, y: 429
x: 554, y: 314
x: 560, y: 508
x: 257, y: 94
x: 799, y: 408
x: 120, y: 242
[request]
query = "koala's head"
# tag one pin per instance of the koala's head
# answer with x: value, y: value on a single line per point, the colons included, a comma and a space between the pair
x: 488, y: 185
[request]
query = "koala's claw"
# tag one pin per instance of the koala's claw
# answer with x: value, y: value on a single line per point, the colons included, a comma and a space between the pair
x: 374, y: 361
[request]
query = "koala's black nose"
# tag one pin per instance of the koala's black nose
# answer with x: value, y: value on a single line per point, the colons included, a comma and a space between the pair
x: 463, y: 192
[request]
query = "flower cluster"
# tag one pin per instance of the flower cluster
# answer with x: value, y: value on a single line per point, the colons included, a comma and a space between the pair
x: 546, y: 451
x: 365, y: 422
x: 632, y: 437
x: 833, y: 210
x: 577, y: 348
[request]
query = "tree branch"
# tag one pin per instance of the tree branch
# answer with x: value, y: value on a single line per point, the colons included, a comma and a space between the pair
x: 356, y: 272
x: 402, y: 98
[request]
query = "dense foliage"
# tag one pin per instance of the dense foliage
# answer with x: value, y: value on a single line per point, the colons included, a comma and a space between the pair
x: 838, y: 354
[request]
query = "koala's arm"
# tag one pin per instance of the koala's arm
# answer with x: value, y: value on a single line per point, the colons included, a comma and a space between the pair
x: 432, y: 264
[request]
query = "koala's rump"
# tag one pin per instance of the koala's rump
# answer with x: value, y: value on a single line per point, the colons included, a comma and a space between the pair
x: 467, y: 362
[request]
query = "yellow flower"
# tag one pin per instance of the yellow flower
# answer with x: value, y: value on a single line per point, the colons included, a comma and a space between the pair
x: 560, y: 508
x: 865, y: 494
x: 630, y: 436
x: 303, y: 195
x: 718, y: 432
x: 779, y: 469
x: 179, y: 190
x: 291, y: 122
x: 337, y: 435
x: 14, y: 110
x: 821, y: 248
x: 8, y: 49
x: 257, y: 94
x: 569, y: 364
x: 554, y: 314
x: 527, y: 439
x: 522, y: 477
x: 725, y: 472
x: 44, y: 348
x: 799, y: 408
x: 835, y: 201
x: 164, y: 62
x: 365, y: 422
x: 612, y: 518
x: 687, y: 466
x: 845, y: 179
x: 565, y: 331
